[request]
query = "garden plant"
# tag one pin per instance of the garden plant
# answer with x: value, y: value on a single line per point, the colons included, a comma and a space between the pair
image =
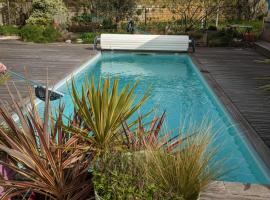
x: 99, y: 150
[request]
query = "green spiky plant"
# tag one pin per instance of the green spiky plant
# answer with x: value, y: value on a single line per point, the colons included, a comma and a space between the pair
x: 100, y: 111
x: 43, y: 156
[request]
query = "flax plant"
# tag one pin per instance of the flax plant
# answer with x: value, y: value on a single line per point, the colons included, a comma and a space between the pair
x: 151, y: 136
x: 42, y: 155
x: 100, y: 111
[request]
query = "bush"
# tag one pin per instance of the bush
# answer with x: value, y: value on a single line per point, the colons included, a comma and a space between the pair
x: 84, y: 18
x: 44, y: 12
x: 212, y: 28
x: 32, y: 33
x: 118, y: 176
x: 197, y: 35
x: 9, y: 30
x: 39, y: 34
x: 108, y: 24
x: 88, y: 38
x: 51, y: 34
x: 223, y: 37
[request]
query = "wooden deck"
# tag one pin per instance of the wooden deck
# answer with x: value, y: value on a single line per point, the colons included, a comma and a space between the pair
x: 233, y: 74
x: 59, y: 60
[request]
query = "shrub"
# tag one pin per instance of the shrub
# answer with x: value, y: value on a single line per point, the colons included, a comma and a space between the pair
x: 212, y: 28
x: 108, y: 24
x: 223, y: 37
x: 39, y: 34
x: 9, y: 30
x: 84, y: 18
x: 197, y: 35
x: 51, y: 34
x: 45, y: 11
x: 118, y: 176
x: 88, y: 37
x: 32, y: 33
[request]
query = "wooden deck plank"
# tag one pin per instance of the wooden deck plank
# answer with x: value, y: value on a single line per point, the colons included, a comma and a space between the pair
x: 236, y: 72
x: 59, y: 60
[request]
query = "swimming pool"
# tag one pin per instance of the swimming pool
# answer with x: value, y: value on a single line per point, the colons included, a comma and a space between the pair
x: 178, y: 88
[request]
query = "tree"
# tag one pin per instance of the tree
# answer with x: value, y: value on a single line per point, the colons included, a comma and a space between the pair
x: 192, y: 12
x: 46, y: 12
x: 116, y: 10
x: 245, y: 9
x: 15, y: 11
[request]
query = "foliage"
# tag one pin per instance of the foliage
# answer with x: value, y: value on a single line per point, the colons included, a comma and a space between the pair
x: 154, y: 27
x: 145, y: 137
x: 191, y: 12
x: 257, y: 25
x: 14, y: 12
x: 156, y: 171
x: 245, y: 9
x: 51, y: 34
x: 39, y: 34
x: 9, y: 30
x: 107, y: 23
x: 4, y: 78
x: 223, y: 37
x: 45, y: 12
x: 43, y: 155
x: 187, y: 171
x: 32, y: 33
x: 84, y: 18
x: 115, y: 9
x: 100, y: 112
x: 118, y: 176
x: 89, y: 37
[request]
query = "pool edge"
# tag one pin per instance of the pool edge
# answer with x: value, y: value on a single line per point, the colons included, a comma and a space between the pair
x: 72, y: 74
x: 247, y: 130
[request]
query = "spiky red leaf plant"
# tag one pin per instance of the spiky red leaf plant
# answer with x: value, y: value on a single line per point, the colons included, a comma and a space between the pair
x: 43, y: 155
x: 151, y: 137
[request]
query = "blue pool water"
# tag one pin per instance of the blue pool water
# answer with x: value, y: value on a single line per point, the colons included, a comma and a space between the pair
x: 178, y: 88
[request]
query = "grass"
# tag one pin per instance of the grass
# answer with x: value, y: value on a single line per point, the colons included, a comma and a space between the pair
x: 187, y: 171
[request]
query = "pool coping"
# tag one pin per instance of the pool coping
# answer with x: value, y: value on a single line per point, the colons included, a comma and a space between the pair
x: 248, y: 131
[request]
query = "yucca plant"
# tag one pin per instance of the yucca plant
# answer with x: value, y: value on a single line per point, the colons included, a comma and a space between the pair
x: 42, y: 155
x: 184, y: 173
x: 100, y: 111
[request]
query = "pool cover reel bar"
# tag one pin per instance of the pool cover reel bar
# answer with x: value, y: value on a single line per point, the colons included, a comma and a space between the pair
x: 40, y: 90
